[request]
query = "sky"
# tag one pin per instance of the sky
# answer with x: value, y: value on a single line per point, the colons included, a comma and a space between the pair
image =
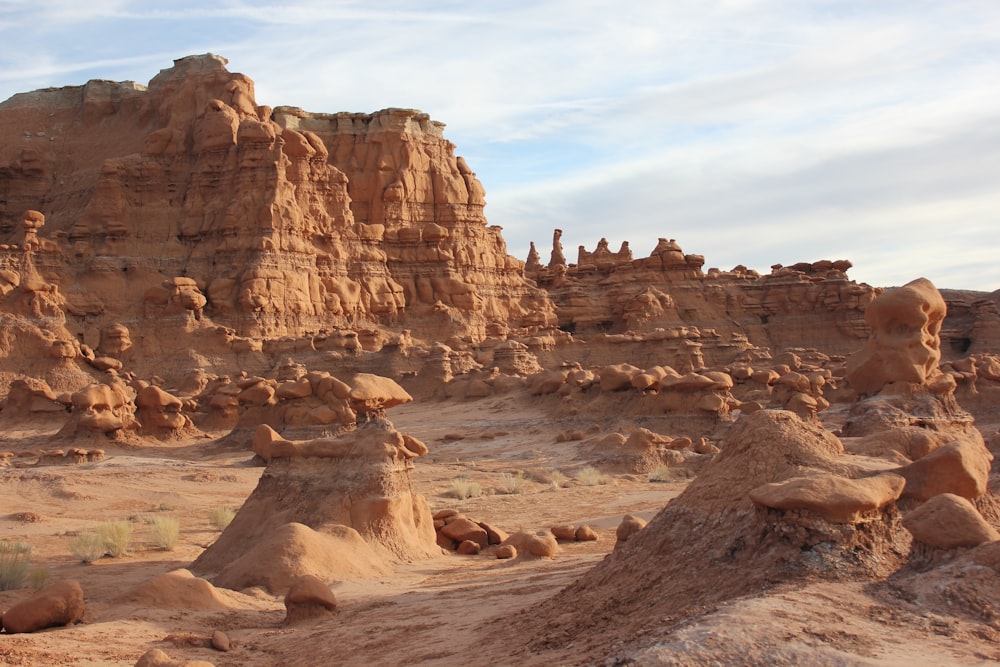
x: 754, y: 132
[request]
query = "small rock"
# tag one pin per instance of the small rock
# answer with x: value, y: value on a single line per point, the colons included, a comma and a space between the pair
x: 220, y: 641
x: 505, y: 551
x: 565, y: 532
x: 468, y: 548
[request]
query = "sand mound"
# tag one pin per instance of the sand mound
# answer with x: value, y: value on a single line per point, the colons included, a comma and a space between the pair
x: 294, y: 550
x: 179, y: 590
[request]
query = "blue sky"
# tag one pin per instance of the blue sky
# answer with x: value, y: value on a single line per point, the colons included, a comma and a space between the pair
x: 752, y: 131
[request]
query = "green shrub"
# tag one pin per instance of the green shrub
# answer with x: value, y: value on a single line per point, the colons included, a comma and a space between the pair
x: 463, y: 488
x: 165, y: 530
x: 116, y: 536
x: 590, y: 476
x: 222, y: 517
x: 88, y: 547
x: 14, y: 560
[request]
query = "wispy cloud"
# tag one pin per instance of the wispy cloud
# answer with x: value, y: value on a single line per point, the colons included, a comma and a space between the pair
x: 753, y: 131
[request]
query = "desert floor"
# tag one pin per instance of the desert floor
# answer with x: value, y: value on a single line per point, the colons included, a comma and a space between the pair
x: 440, y: 611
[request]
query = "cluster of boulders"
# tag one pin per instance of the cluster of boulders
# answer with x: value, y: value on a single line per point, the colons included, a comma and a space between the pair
x: 459, y: 534
x: 456, y: 532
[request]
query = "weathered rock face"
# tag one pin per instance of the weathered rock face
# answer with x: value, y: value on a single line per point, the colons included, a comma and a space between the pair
x: 905, y: 345
x: 667, y: 301
x: 339, y: 507
x: 183, y: 221
x: 188, y: 203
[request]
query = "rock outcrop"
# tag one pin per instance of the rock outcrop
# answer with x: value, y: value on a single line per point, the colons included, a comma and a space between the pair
x: 338, y: 507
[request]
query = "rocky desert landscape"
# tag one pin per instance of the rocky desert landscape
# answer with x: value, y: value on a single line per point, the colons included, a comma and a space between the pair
x: 275, y: 393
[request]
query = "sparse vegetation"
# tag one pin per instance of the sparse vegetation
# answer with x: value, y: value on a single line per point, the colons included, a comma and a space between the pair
x: 463, y: 488
x: 38, y: 577
x: 558, y: 479
x: 14, y: 560
x: 88, y: 547
x: 512, y: 483
x: 661, y: 474
x: 590, y: 476
x: 222, y: 517
x: 116, y: 536
x: 165, y: 530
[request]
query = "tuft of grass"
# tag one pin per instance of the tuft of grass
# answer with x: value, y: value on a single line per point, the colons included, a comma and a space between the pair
x: 116, y: 536
x: 463, y: 488
x: 558, y: 479
x: 165, y: 530
x: 590, y: 476
x: 88, y: 547
x: 512, y: 483
x: 222, y: 517
x: 39, y: 577
x: 14, y: 560
x: 661, y: 474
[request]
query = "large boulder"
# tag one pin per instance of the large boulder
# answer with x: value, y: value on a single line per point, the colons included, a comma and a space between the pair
x: 58, y: 604
x: 948, y: 521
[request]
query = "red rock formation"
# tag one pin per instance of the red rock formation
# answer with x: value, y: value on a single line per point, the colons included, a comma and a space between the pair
x: 188, y: 203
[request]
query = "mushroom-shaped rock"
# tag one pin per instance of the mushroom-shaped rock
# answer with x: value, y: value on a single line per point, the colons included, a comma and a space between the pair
x: 58, y: 604
x: 159, y: 411
x: 308, y: 597
x: 837, y: 499
x: 947, y: 521
x: 372, y: 394
x: 905, y: 345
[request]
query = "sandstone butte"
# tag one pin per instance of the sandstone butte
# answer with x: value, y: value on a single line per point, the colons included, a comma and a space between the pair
x: 208, y: 301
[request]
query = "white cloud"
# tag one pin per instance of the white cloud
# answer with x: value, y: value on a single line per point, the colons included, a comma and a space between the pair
x: 753, y: 131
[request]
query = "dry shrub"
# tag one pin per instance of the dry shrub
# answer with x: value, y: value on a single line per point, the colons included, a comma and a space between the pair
x: 165, y: 530
x: 590, y: 476
x: 88, y: 547
x: 116, y: 536
x: 512, y: 483
x: 14, y: 560
x: 463, y: 488
x: 222, y: 517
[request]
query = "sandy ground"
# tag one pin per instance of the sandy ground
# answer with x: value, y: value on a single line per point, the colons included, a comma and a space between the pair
x: 439, y: 611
